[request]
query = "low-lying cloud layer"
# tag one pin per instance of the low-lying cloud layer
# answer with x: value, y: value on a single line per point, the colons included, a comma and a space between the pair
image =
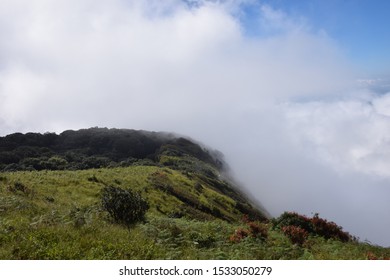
x: 297, y: 128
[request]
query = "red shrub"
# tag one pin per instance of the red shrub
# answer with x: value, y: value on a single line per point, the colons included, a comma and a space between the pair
x: 372, y: 256
x: 239, y: 234
x: 246, y: 219
x: 315, y: 226
x: 296, y: 234
x: 254, y: 229
x: 258, y: 230
x: 329, y: 229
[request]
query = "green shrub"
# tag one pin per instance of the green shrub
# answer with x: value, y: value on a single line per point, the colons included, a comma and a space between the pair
x: 19, y: 187
x: 3, y: 179
x: 294, y: 219
x: 124, y: 206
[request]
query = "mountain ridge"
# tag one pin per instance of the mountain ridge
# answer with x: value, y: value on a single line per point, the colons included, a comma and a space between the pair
x: 54, y: 192
x: 114, y: 144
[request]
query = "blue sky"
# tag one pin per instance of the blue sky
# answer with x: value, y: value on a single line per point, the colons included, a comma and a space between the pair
x: 360, y: 27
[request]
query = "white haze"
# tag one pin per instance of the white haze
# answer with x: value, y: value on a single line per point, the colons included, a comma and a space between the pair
x: 285, y: 108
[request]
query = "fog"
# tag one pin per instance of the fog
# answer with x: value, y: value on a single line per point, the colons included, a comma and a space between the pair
x: 301, y: 127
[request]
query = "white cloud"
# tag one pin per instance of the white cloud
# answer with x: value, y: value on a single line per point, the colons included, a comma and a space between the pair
x: 90, y: 54
x: 349, y: 135
x: 381, y: 105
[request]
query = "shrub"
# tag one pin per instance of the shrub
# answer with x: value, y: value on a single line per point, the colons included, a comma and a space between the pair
x: 294, y: 219
x: 124, y: 206
x: 258, y: 230
x: 255, y: 229
x: 56, y: 163
x: 19, y: 187
x: 93, y: 178
x: 372, y: 256
x: 296, y: 234
x: 314, y: 225
x: 238, y: 235
x: 329, y: 229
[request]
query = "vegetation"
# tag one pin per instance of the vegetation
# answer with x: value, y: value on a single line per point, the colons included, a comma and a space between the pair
x: 297, y: 227
x: 97, y: 148
x: 124, y: 206
x: 169, y: 203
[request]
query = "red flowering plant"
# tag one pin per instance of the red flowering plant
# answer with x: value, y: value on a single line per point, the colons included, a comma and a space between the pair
x: 314, y: 225
x: 258, y: 230
x: 254, y: 229
x: 371, y: 256
x: 296, y: 234
x: 238, y: 235
x: 329, y: 229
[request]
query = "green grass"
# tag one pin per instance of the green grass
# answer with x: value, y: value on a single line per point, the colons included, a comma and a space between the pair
x: 58, y: 215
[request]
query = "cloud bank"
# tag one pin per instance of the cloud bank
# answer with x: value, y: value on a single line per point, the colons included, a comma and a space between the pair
x: 284, y: 106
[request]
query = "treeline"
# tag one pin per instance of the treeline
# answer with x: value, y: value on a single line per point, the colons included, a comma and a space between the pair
x: 94, y: 148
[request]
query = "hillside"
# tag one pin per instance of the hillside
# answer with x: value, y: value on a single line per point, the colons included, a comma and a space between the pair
x: 97, y: 148
x: 126, y: 194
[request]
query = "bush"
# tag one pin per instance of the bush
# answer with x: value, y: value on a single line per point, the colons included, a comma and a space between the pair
x: 314, y: 225
x: 239, y: 234
x: 18, y: 187
x: 371, y: 256
x: 294, y: 219
x: 258, y: 230
x: 124, y: 206
x: 56, y: 163
x: 329, y: 229
x: 255, y: 229
x: 296, y: 234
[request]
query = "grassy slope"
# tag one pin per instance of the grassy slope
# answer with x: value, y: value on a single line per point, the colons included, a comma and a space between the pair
x: 57, y: 215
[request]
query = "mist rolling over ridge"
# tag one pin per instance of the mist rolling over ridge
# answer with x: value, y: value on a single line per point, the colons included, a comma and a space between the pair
x: 302, y: 123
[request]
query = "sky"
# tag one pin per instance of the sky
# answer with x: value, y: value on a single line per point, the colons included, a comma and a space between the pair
x: 296, y: 94
x: 358, y: 26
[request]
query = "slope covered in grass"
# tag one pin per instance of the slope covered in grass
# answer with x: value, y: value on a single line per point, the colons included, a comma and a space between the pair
x: 52, y: 204
x: 58, y: 215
